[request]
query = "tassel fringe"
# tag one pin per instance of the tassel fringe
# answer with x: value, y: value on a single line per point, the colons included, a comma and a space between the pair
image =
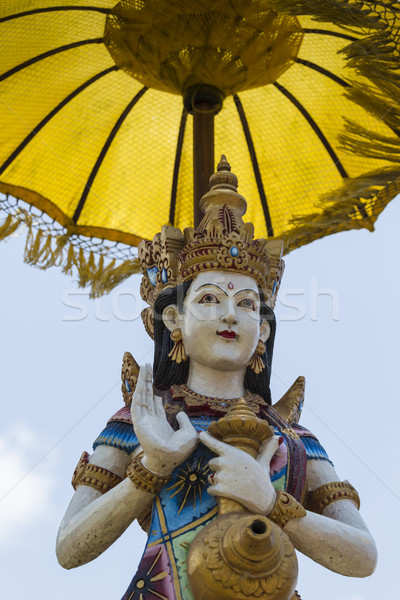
x: 356, y: 205
x: 375, y: 56
x: 45, y: 249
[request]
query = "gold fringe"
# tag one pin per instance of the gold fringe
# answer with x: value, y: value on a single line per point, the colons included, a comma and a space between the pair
x: 348, y: 13
x: 356, y: 205
x: 9, y: 226
x: 375, y: 57
x: 369, y: 144
x: 45, y: 250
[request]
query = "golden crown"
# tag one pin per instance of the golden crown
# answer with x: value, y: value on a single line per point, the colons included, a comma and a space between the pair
x: 222, y: 242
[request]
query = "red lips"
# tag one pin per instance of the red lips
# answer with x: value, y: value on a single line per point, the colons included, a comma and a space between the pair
x: 229, y: 335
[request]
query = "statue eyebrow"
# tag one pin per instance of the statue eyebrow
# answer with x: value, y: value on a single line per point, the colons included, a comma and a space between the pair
x: 211, y: 285
x: 247, y: 290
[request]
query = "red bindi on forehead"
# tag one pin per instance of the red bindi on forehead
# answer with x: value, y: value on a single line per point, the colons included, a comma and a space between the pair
x: 230, y: 285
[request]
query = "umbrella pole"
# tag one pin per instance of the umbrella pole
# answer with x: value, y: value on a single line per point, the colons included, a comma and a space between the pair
x: 203, y: 154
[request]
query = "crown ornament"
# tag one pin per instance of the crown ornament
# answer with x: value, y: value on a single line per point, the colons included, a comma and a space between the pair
x: 221, y: 242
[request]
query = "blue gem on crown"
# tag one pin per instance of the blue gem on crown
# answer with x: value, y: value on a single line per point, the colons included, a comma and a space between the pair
x: 152, y: 273
x: 234, y: 251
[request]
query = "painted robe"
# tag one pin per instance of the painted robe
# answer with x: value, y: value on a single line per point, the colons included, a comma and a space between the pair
x: 183, y: 506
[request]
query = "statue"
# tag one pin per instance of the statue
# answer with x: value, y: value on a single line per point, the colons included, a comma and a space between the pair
x: 226, y: 484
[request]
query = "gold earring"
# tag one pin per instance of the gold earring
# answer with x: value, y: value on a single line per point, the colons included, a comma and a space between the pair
x: 256, y: 364
x: 178, y: 353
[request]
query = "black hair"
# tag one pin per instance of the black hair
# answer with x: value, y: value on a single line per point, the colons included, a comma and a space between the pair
x: 168, y: 373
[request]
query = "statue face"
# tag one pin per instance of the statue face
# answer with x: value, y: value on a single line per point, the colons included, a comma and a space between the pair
x: 221, y: 320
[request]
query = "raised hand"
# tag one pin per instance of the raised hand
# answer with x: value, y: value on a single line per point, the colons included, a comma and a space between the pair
x: 163, y: 448
x: 240, y: 477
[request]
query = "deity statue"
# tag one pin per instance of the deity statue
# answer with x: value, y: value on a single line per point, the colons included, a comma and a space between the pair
x: 227, y: 484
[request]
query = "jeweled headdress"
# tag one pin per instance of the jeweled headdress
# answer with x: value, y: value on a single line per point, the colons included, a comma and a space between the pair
x: 222, y: 242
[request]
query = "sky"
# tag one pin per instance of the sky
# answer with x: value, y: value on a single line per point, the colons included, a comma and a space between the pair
x: 61, y: 354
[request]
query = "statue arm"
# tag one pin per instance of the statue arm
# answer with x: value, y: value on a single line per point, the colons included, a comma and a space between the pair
x: 93, y: 520
x: 338, y: 538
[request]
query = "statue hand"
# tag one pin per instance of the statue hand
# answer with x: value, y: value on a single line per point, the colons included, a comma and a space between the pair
x: 163, y: 448
x: 240, y: 477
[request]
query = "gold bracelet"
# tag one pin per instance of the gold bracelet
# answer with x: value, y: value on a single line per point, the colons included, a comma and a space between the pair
x: 143, y: 478
x: 285, y: 509
x: 324, y: 495
x: 96, y: 477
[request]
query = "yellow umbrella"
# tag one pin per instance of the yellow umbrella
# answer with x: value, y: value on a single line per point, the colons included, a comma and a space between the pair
x: 96, y: 145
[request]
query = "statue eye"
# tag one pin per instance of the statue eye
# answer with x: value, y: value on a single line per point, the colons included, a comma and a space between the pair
x: 247, y: 303
x: 209, y: 299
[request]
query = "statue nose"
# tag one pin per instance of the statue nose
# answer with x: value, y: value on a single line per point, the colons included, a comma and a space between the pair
x: 229, y: 318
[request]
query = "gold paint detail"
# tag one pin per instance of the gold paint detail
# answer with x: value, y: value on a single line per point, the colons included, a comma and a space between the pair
x: 190, y: 482
x: 178, y: 353
x: 256, y: 364
x: 290, y: 405
x: 221, y: 242
x: 94, y: 476
x: 129, y: 377
x: 242, y: 428
x: 186, y: 528
x: 324, y: 495
x: 155, y: 561
x: 285, y: 509
x: 148, y: 321
x: 140, y: 584
x: 143, y: 478
x: 161, y: 575
x: 241, y: 556
x: 291, y: 433
x: 233, y: 47
x: 224, y: 405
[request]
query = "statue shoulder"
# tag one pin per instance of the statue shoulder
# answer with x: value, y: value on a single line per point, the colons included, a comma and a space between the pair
x: 289, y: 407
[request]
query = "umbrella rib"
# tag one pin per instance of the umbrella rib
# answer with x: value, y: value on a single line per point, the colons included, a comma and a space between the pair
x: 104, y: 151
x: 35, y: 11
x: 47, y: 54
x: 335, y: 78
x: 315, y: 127
x: 254, y: 161
x: 51, y: 114
x: 315, y: 67
x: 178, y: 156
x: 343, y: 36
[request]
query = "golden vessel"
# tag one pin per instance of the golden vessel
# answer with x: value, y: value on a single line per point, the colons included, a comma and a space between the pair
x: 239, y: 555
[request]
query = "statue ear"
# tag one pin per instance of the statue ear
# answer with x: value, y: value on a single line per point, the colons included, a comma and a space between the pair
x: 171, y: 317
x: 265, y: 331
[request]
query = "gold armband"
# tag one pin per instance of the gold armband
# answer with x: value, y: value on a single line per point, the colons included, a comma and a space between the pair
x: 324, y: 495
x: 143, y: 478
x: 285, y: 509
x: 96, y: 477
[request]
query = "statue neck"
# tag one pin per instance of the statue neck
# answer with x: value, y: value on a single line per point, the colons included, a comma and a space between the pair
x: 217, y: 384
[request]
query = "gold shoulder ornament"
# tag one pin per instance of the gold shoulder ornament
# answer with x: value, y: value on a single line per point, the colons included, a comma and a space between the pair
x: 324, y: 495
x: 290, y: 405
x: 94, y: 476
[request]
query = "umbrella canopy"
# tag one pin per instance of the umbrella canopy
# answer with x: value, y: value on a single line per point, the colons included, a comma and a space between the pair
x: 96, y: 146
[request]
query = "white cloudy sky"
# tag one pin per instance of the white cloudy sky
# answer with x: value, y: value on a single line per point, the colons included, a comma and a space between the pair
x: 60, y: 382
